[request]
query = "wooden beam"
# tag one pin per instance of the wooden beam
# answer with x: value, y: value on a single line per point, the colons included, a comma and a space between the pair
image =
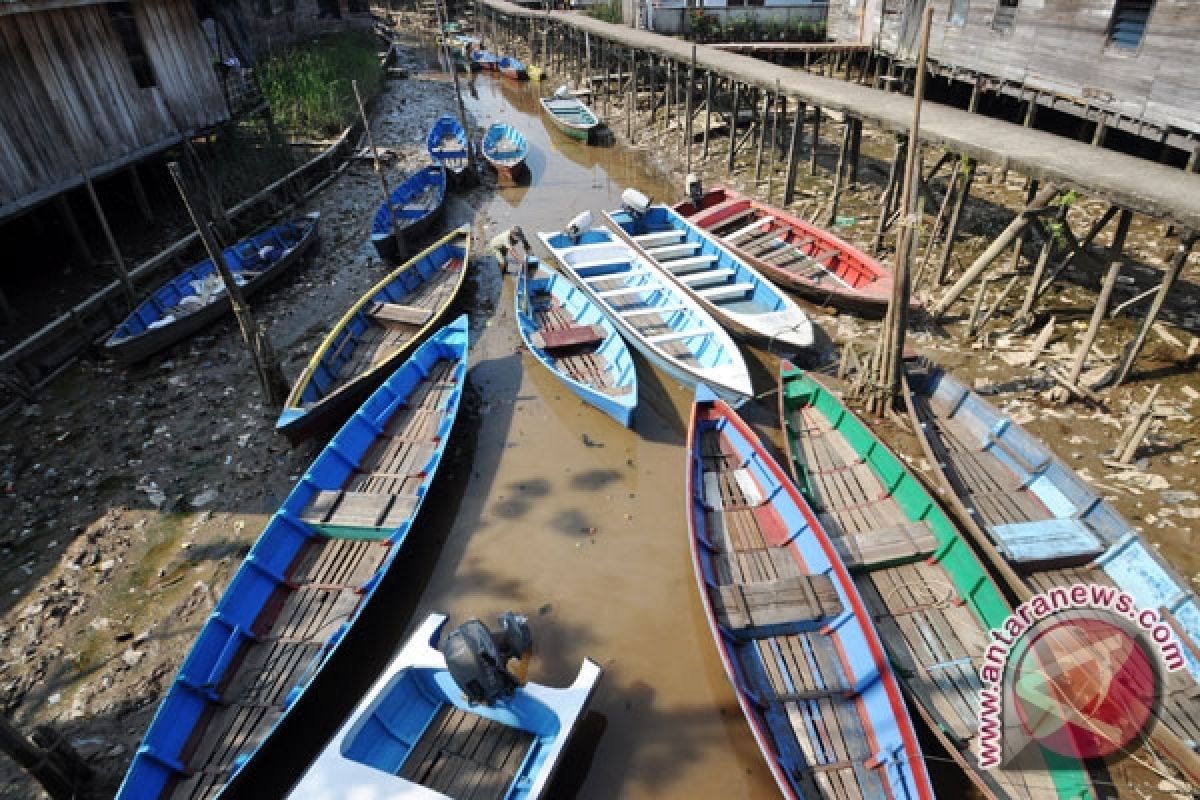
x: 789, y: 188
x: 889, y: 190
x: 967, y: 168
x: 1106, y: 289
x: 816, y: 141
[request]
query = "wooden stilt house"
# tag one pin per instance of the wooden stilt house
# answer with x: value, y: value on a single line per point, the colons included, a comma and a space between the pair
x: 96, y: 86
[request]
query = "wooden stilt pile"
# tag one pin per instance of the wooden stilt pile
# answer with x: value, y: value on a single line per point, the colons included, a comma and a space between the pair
x: 1137, y: 429
x: 401, y: 250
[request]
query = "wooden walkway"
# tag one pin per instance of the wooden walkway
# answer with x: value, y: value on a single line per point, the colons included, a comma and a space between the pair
x: 934, y: 639
x: 995, y: 500
x: 466, y: 756
x: 796, y: 674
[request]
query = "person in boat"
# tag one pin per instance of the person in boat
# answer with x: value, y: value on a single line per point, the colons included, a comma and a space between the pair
x: 511, y: 242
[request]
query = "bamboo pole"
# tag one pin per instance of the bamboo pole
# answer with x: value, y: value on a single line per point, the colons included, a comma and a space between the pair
x: 789, y: 182
x: 895, y: 325
x: 768, y: 106
x: 397, y: 234
x: 780, y: 112
x: 733, y: 115
x: 274, y: 385
x: 816, y: 141
x: 1110, y: 280
x: 691, y: 83
x: 708, y: 101
x: 839, y: 172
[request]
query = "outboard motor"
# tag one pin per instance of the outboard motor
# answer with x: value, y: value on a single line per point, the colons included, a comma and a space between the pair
x: 562, y: 92
x: 636, y: 205
x: 477, y: 658
x: 577, y: 226
x: 694, y: 189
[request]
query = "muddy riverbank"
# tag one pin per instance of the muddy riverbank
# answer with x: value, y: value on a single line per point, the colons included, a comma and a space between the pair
x: 132, y: 495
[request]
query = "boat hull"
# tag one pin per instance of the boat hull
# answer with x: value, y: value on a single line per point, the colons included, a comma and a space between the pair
x: 448, y: 145
x: 571, y: 117
x: 569, y: 301
x: 129, y: 346
x: 378, y: 752
x: 411, y: 227
x: 303, y: 584
x: 323, y: 394
x: 505, y: 148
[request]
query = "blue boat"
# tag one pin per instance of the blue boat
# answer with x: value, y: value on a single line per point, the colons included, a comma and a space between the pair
x: 572, y: 338
x: 305, y: 581
x: 1047, y: 528
x: 415, y: 719
x: 484, y: 60
x: 651, y: 312
x: 798, y: 644
x: 727, y: 287
x: 447, y: 143
x: 505, y: 148
x: 196, y: 297
x: 415, y: 204
x: 512, y: 68
x: 376, y: 335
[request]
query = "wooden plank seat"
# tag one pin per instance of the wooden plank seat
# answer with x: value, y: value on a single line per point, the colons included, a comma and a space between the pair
x: 464, y: 755
x: 358, y: 509
x: 706, y: 220
x: 570, y: 337
x: 886, y: 547
x: 1046, y: 543
x: 760, y: 608
x: 396, y: 312
x: 659, y: 237
x: 731, y: 238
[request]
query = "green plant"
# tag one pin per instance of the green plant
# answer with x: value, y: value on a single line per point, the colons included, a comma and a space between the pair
x: 309, y: 86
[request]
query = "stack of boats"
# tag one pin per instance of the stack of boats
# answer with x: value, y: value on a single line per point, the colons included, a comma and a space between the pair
x: 838, y: 593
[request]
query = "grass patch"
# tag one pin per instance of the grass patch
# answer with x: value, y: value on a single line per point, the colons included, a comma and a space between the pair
x: 608, y: 12
x: 309, y: 85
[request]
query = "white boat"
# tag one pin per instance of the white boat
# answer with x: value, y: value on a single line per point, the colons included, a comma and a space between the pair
x: 657, y: 317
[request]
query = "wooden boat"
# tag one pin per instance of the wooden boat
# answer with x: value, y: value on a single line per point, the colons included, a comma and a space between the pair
x: 197, y: 297
x: 415, y: 203
x: 570, y: 335
x: 931, y: 598
x: 447, y: 144
x: 1048, y: 528
x: 305, y: 581
x: 505, y: 148
x: 415, y: 720
x: 376, y: 335
x: 728, y: 288
x: 461, y: 44
x: 794, y: 253
x: 512, y: 68
x: 654, y: 315
x: 796, y: 640
x: 570, y: 115
x: 485, y: 60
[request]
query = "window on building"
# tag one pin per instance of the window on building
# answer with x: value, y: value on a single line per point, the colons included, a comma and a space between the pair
x: 1128, y: 24
x: 958, y: 12
x: 1005, y: 16
x: 121, y: 16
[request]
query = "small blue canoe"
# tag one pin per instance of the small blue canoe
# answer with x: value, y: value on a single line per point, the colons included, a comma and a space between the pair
x: 415, y: 720
x: 197, y: 297
x: 1050, y: 528
x: 572, y: 338
x: 447, y: 143
x: 798, y: 644
x: 505, y: 148
x: 728, y: 288
x: 512, y: 68
x: 415, y: 203
x: 376, y: 335
x: 484, y: 60
x: 305, y: 581
x: 652, y: 313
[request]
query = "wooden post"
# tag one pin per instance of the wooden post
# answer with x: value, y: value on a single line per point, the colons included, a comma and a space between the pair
x: 816, y: 141
x: 894, y: 328
x: 967, y: 167
x: 139, y: 194
x: 1024, y: 316
x: 1110, y: 280
x: 780, y: 111
x: 1019, y: 242
x: 885, y: 204
x: 789, y: 182
x: 708, y: 101
x: 938, y: 220
x: 397, y: 234
x: 733, y: 115
x: 631, y: 105
x: 63, y: 206
x: 839, y: 171
x: 768, y: 104
x: 1140, y: 424
x: 855, y: 151
x: 687, y: 134
x: 988, y: 256
x: 1186, y: 241
x: 274, y: 385
x: 118, y: 259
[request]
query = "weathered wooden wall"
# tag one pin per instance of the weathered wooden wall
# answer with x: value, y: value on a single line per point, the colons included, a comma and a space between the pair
x: 65, y: 77
x: 1058, y: 46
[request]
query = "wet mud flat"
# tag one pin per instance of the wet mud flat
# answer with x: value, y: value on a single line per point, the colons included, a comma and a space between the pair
x: 544, y: 506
